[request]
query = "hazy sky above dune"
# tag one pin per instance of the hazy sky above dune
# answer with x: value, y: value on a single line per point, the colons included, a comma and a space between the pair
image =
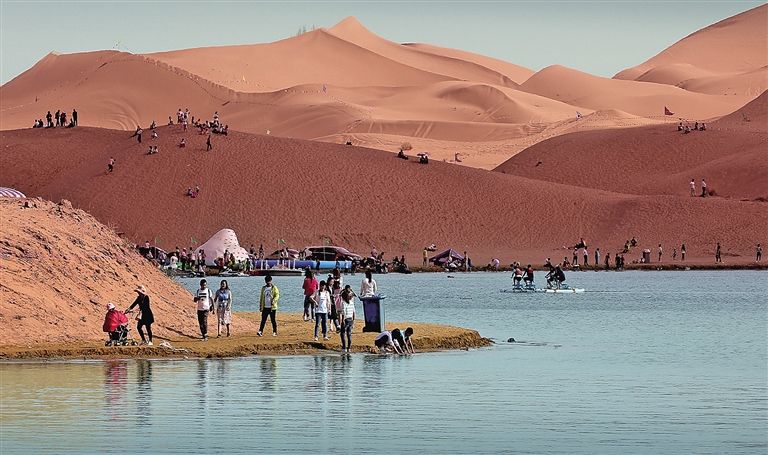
x: 597, y: 37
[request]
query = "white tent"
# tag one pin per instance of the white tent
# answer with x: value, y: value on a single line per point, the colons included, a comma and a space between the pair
x: 10, y: 192
x: 224, y: 240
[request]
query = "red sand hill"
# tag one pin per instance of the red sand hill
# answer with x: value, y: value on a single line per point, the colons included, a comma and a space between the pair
x: 729, y: 57
x: 62, y: 259
x: 347, y: 83
x: 730, y: 155
x: 269, y: 188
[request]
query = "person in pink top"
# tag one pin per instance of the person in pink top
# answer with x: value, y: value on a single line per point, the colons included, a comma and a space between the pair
x: 310, y: 288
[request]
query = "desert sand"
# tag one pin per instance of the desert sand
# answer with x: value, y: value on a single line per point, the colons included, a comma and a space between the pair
x: 356, y: 197
x: 345, y: 83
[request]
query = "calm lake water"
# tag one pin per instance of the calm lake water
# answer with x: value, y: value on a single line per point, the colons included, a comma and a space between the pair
x: 644, y: 362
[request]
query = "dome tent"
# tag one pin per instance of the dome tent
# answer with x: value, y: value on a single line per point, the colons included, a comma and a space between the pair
x: 224, y: 240
x: 10, y: 192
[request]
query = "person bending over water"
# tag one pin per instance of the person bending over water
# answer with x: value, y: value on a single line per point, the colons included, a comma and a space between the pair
x: 389, y: 342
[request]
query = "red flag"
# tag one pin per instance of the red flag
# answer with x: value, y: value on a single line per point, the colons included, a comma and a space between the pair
x: 667, y: 111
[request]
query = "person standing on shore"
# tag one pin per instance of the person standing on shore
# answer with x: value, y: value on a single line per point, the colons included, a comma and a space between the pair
x: 660, y: 252
x: 607, y: 261
x: 268, y: 305
x: 718, y: 257
x: 223, y: 301
x: 321, y: 311
x: 597, y: 257
x: 309, y: 286
x: 204, y: 300
x: 347, y: 318
x: 368, y: 287
x: 674, y: 253
x: 682, y: 252
x: 145, y: 317
x: 586, y: 256
x: 703, y: 188
x: 758, y: 253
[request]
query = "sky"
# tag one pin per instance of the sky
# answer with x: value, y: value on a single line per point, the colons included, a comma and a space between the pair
x: 599, y: 37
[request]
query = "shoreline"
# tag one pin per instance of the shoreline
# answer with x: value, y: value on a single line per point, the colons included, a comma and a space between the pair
x: 295, y: 338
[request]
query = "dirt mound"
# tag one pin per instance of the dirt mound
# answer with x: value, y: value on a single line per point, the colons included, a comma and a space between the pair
x: 753, y: 116
x: 59, y: 269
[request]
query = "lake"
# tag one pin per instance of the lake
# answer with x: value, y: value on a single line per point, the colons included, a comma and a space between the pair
x: 643, y: 362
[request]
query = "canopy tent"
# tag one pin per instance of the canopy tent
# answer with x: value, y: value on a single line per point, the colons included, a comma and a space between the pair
x: 10, y: 192
x: 224, y: 240
x: 449, y: 255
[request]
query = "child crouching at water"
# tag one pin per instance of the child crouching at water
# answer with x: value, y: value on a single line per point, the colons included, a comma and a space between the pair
x: 389, y: 341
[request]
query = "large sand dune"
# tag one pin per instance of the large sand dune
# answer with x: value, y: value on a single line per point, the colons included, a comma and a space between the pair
x: 347, y: 83
x: 730, y: 155
x: 725, y: 58
x: 304, y: 192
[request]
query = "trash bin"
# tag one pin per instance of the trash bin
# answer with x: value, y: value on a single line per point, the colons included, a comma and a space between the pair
x: 373, y: 311
x: 646, y: 256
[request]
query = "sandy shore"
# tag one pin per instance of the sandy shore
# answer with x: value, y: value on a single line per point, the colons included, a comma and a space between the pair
x: 295, y: 337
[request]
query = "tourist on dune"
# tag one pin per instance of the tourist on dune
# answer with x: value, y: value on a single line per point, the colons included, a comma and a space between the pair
x: 111, y: 165
x: 268, y: 305
x: 145, y: 317
x: 74, y: 117
x: 682, y: 252
x: 703, y: 188
x: 204, y: 301
x: 223, y: 301
x: 183, y: 143
x: 321, y: 311
x: 48, y: 117
x: 758, y: 253
x: 112, y: 321
x: 63, y: 118
x: 718, y: 256
x: 693, y: 188
x: 368, y: 287
x: 208, y: 145
x: 154, y: 134
x: 58, y: 118
x: 660, y: 252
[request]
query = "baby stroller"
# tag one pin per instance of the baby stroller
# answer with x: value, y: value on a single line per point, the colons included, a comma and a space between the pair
x: 120, y: 337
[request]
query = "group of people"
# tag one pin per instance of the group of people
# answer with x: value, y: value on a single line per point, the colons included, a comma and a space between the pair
x: 686, y: 127
x: 193, y: 192
x: 56, y: 120
x: 692, y: 185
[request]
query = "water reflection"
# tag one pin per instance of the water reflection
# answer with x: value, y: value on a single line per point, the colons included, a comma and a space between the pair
x: 269, y: 375
x: 115, y: 380
x: 143, y: 391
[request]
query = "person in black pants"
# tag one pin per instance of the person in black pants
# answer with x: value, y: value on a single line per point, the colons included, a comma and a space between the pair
x: 268, y: 305
x: 204, y: 300
x: 74, y: 116
x: 146, y: 318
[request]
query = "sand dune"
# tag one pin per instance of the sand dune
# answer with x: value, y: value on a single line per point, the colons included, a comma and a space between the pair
x: 753, y: 116
x: 740, y: 44
x: 268, y: 188
x: 651, y: 160
x: 516, y: 73
x: 638, y: 98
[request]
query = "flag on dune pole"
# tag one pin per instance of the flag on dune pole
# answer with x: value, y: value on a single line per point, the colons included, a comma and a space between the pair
x: 667, y: 111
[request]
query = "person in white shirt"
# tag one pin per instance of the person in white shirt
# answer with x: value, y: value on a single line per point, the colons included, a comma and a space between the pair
x: 693, y: 188
x: 368, y: 287
x: 387, y: 341
x: 204, y: 300
x: 321, y: 310
x: 347, y: 318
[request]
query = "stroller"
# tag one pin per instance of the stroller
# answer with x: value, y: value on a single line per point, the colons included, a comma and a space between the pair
x: 120, y: 337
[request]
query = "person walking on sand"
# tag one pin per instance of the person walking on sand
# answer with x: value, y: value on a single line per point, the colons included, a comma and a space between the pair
x: 223, y: 301
x: 111, y: 165
x: 758, y: 253
x: 321, y: 311
x: 204, y: 300
x: 368, y: 287
x: 718, y: 257
x: 145, y: 317
x: 208, y: 145
x: 703, y: 188
x: 309, y: 286
x: 268, y: 305
x: 693, y: 188
x: 660, y: 252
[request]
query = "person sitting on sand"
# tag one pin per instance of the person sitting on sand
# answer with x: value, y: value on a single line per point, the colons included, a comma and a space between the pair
x: 703, y: 127
x: 457, y: 157
x: 680, y: 126
x: 154, y: 134
x: 170, y: 120
x: 402, y: 155
x: 389, y: 342
x: 111, y: 165
x: 183, y: 143
x: 112, y: 322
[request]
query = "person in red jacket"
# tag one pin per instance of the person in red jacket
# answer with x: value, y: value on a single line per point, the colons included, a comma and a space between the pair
x: 113, y: 320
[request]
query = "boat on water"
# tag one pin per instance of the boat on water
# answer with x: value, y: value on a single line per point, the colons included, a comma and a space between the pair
x: 531, y: 288
x: 277, y: 271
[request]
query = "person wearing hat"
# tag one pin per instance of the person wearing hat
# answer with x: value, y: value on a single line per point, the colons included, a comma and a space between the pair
x: 145, y: 317
x: 113, y: 320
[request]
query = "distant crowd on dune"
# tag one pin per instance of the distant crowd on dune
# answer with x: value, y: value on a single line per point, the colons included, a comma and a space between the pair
x: 56, y: 120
